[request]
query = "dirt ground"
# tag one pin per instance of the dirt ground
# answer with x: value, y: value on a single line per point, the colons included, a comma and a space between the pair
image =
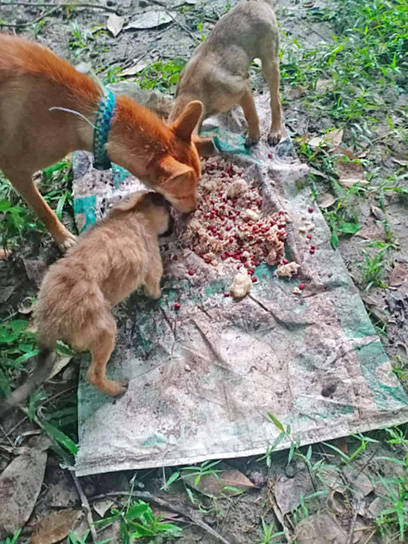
x: 344, y: 498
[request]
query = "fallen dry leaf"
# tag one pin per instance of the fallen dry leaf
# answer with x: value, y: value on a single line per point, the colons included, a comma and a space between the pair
x: 151, y: 19
x: 20, y: 485
x: 35, y: 270
x: 115, y: 24
x: 289, y: 490
x: 55, y: 526
x: 60, y: 363
x: 378, y: 213
x: 102, y: 506
x: 326, y: 200
x: 350, y: 172
x: 166, y: 515
x: 324, y: 85
x: 371, y: 231
x: 359, y: 482
x: 296, y: 92
x: 317, y: 172
x: 218, y: 484
x: 332, y: 139
x: 400, y: 162
x: 398, y: 275
x: 133, y: 70
x: 319, y: 529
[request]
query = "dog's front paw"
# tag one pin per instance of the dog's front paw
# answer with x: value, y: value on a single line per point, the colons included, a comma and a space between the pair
x: 274, y: 136
x: 114, y: 387
x: 153, y: 292
x: 69, y: 240
x: 252, y: 139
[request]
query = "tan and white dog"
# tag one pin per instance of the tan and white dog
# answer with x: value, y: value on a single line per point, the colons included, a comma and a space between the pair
x: 217, y: 73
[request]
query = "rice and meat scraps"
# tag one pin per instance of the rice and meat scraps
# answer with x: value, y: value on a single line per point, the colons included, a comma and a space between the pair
x: 228, y: 224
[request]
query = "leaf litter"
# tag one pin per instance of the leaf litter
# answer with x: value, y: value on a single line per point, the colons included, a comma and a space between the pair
x: 20, y: 485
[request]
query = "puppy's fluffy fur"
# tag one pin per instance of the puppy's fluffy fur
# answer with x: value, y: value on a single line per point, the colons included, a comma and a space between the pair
x: 112, y: 259
x: 217, y: 73
x: 32, y: 136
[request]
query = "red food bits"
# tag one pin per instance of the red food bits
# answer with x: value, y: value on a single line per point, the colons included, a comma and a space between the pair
x: 309, y: 236
x: 177, y: 305
x: 191, y: 272
x: 311, y: 251
x: 226, y: 294
x: 310, y: 209
x: 270, y: 155
x: 254, y: 279
x: 175, y: 257
x: 284, y: 261
x: 301, y: 286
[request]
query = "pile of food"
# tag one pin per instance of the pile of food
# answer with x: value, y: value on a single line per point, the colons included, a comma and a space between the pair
x: 228, y: 224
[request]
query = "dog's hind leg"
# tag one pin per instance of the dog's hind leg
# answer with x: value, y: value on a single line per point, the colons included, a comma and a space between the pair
x: 101, y: 350
x: 24, y: 184
x: 248, y: 105
x: 152, y: 284
x: 271, y: 72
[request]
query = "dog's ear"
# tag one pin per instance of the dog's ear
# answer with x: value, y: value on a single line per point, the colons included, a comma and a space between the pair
x: 186, y: 122
x: 205, y: 146
x: 178, y: 183
x: 128, y: 203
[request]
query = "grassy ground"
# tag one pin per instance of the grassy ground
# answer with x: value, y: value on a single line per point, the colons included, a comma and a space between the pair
x: 352, y: 86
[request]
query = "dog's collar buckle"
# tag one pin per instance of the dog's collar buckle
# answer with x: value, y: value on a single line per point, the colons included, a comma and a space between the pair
x: 102, y: 127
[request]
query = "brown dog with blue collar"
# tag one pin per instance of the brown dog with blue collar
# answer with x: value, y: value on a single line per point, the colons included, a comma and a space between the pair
x: 35, y: 85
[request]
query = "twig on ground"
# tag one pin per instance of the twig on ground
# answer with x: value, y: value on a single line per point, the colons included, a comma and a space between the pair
x: 86, y: 507
x: 277, y: 511
x: 179, y: 508
x: 181, y: 25
x: 352, y: 525
x: 29, y: 23
x: 370, y: 536
x: 6, y: 435
x: 65, y: 5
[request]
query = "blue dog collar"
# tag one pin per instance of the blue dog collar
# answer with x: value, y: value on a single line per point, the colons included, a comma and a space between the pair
x: 101, y: 130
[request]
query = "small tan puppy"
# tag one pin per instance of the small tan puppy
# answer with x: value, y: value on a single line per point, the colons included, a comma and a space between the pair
x: 117, y: 256
x: 217, y: 73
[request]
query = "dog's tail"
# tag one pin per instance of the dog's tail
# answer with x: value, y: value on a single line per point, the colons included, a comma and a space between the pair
x: 42, y: 370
